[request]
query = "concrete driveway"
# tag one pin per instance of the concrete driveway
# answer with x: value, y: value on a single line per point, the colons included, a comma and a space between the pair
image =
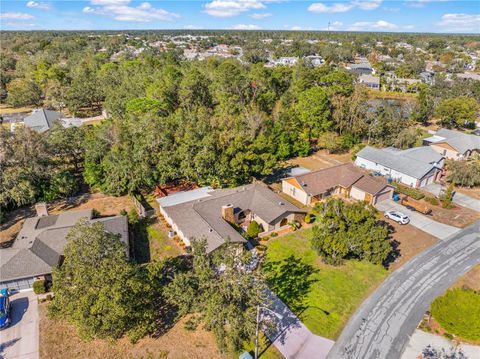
x: 291, y: 337
x: 423, y: 222
x: 382, y: 326
x: 20, y: 339
x: 459, y: 198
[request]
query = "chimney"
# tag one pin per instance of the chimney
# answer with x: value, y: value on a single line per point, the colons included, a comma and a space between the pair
x: 227, y: 213
x: 41, y: 209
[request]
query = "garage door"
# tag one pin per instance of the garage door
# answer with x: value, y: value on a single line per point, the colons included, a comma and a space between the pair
x: 18, y: 284
x: 382, y: 196
x: 357, y: 194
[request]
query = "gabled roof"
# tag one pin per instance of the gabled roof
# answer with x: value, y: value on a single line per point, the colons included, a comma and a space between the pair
x: 318, y: 182
x: 42, y: 240
x: 202, y: 217
x: 462, y: 142
x: 345, y: 175
x: 415, y: 162
x: 42, y: 120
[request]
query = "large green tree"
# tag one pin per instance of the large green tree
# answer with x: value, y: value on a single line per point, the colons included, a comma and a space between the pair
x: 458, y: 112
x: 98, y: 290
x: 349, y: 230
x: 220, y: 294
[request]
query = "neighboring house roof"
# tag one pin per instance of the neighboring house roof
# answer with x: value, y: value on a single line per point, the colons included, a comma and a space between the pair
x: 345, y: 175
x: 42, y: 240
x: 369, y: 79
x: 202, y: 217
x: 462, y: 142
x: 42, y: 120
x: 415, y: 162
x: 318, y: 182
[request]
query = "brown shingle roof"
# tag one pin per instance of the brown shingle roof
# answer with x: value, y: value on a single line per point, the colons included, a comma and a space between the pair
x: 318, y: 182
x: 369, y: 185
x: 345, y: 175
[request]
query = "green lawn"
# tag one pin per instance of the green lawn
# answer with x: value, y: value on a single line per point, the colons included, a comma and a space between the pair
x: 151, y: 242
x: 323, y: 296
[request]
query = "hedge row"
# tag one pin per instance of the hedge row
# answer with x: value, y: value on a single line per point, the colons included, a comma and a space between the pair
x: 410, y: 192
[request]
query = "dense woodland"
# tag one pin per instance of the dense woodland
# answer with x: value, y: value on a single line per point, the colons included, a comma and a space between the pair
x: 218, y: 122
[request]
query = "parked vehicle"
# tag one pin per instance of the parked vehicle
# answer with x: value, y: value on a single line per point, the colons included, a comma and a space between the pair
x: 397, y: 217
x: 416, y: 205
x: 4, y: 308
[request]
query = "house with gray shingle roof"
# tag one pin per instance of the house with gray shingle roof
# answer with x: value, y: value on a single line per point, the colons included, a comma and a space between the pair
x: 453, y: 144
x: 414, y: 167
x: 218, y: 215
x: 40, y: 244
x: 42, y: 120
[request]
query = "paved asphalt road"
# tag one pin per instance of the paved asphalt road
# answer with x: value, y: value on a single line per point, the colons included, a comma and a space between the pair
x: 423, y: 222
x: 20, y: 339
x: 382, y: 326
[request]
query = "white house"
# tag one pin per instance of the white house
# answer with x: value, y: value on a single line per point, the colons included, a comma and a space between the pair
x: 415, y: 167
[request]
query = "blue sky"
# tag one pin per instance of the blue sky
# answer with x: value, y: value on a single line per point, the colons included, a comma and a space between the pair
x: 353, y: 15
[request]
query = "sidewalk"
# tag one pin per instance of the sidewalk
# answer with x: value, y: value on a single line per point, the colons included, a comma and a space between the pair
x: 459, y: 198
x: 420, y: 340
x: 292, y: 338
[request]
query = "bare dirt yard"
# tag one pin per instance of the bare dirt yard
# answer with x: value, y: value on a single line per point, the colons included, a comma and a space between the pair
x: 105, y: 205
x: 473, y: 192
x: 458, y: 216
x: 409, y: 241
x: 59, y: 340
x: 320, y: 159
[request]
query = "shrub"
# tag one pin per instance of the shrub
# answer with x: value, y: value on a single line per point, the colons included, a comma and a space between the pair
x: 447, y: 197
x: 274, y: 234
x: 410, y: 192
x: 432, y: 200
x: 294, y: 225
x: 309, y: 218
x: 39, y: 287
x: 458, y: 312
x: 253, y: 229
x: 123, y: 212
x: 95, y: 213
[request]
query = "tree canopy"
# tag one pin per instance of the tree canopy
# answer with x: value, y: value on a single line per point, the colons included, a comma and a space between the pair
x: 349, y: 230
x: 98, y: 290
x: 220, y: 294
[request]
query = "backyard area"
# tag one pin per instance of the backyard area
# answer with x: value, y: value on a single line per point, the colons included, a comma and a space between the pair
x: 320, y: 159
x: 59, y: 339
x: 321, y: 295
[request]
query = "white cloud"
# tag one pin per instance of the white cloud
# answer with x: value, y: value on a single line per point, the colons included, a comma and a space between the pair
x: 16, y: 16
x: 245, y: 27
x: 120, y: 11
x: 228, y: 8
x: 259, y: 16
x: 422, y: 3
x: 459, y: 23
x: 38, y: 5
x: 372, y: 25
x: 344, y: 7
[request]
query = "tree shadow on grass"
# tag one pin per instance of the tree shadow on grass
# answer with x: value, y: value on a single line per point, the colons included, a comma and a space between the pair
x: 290, y: 279
x: 139, y: 238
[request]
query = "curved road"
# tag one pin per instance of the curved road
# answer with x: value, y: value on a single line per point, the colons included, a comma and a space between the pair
x: 382, y: 326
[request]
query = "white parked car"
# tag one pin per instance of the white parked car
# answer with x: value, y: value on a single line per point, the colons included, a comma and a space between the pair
x: 397, y: 217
